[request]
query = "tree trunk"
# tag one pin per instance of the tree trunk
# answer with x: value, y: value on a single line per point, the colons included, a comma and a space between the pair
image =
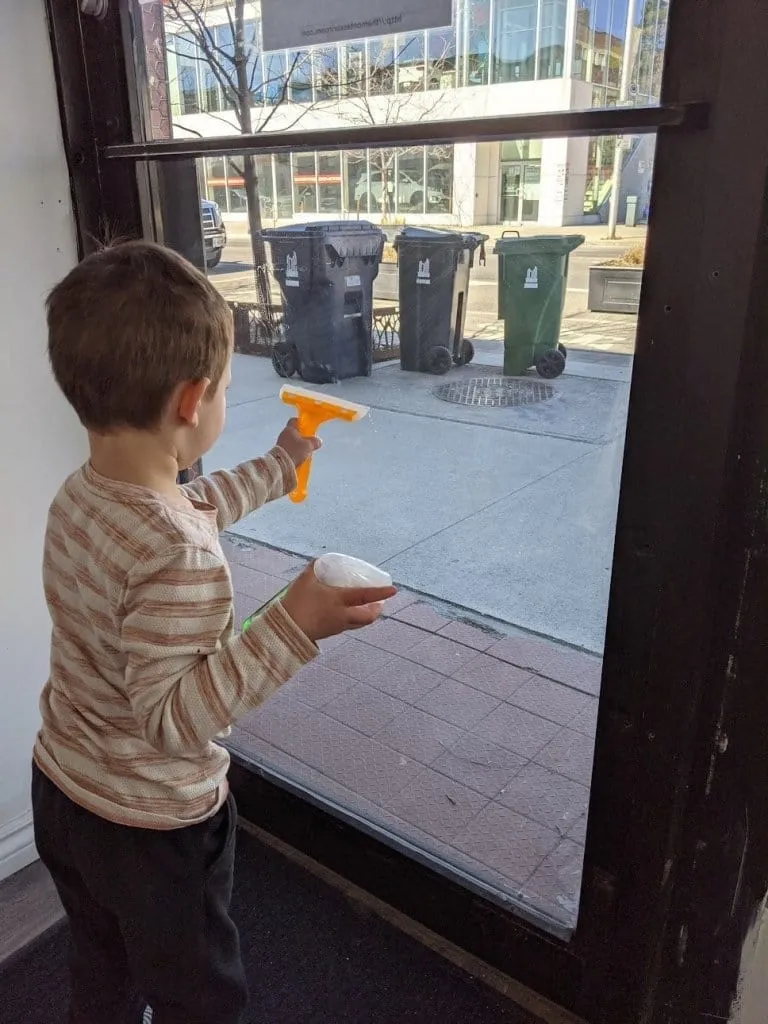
x: 250, y: 173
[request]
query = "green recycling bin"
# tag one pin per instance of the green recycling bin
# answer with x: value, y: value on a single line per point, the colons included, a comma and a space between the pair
x: 532, y: 278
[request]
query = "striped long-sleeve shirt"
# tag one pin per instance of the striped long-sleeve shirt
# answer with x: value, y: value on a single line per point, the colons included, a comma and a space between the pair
x: 145, y: 669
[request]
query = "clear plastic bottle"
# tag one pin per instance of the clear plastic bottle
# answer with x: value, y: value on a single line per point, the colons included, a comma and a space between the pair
x: 335, y: 570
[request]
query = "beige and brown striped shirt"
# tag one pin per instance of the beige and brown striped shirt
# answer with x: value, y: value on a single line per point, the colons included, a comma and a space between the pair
x: 145, y: 669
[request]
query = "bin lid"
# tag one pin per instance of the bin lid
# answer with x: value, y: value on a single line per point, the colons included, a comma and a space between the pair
x: 440, y: 236
x: 346, y: 237
x: 538, y: 245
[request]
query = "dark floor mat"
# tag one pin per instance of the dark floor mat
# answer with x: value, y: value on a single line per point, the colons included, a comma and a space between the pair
x: 312, y: 955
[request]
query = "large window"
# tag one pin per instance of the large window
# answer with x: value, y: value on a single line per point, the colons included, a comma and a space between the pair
x: 358, y: 187
x: 514, y: 58
x: 326, y: 66
x: 439, y: 179
x: 441, y: 59
x: 304, y: 183
x: 187, y: 61
x: 411, y: 193
x: 410, y: 62
x: 551, y: 50
x: 300, y: 69
x: 381, y: 66
x: 329, y: 182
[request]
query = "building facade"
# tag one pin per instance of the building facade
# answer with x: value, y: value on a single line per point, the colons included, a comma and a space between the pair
x: 511, y: 56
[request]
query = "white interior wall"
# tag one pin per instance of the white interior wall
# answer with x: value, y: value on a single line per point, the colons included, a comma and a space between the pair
x: 40, y: 440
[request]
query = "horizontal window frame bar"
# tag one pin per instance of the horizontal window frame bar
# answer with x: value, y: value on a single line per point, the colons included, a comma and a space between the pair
x: 560, y: 124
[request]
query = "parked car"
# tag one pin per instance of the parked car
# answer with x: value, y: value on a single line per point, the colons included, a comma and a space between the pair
x: 214, y: 232
x: 410, y: 193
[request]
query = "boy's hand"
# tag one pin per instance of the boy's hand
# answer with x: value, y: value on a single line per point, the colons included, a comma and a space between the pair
x: 298, y: 448
x: 321, y: 611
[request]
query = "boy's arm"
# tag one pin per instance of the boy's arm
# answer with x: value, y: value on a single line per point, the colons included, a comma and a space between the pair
x: 235, y: 493
x: 184, y: 685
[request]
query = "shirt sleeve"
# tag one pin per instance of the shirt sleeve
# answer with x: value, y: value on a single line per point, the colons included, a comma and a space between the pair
x: 235, y: 493
x: 184, y: 682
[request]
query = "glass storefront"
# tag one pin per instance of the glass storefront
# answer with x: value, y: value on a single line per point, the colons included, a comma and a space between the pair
x: 387, y: 182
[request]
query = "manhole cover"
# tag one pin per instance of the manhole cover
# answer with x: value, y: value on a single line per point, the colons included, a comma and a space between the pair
x: 494, y: 391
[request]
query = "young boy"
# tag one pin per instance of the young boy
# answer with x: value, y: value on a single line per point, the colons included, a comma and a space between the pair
x: 132, y: 813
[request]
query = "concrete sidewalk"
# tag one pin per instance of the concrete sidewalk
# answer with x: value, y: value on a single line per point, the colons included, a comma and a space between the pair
x: 508, y: 512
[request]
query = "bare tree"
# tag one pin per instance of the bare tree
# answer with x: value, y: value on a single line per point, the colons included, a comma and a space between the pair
x: 238, y: 70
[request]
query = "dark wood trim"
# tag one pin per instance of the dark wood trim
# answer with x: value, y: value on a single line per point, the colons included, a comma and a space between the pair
x: 584, y: 123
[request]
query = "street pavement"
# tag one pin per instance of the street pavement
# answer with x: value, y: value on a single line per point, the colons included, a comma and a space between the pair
x: 508, y: 513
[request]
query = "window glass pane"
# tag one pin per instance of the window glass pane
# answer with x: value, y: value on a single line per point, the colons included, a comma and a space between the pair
x: 358, y: 189
x: 326, y: 64
x: 216, y: 181
x: 355, y: 71
x: 515, y: 41
x: 187, y: 61
x: 410, y: 62
x: 329, y: 183
x: 476, y: 24
x: 284, y: 207
x: 304, y: 183
x: 382, y: 181
x: 300, y: 70
x: 226, y: 59
x: 441, y: 64
x: 439, y: 179
x: 381, y: 66
x: 552, y: 38
x: 410, y: 181
x: 253, y: 65
x: 274, y: 71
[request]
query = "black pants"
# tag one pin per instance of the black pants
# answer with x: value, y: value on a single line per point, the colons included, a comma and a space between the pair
x: 148, y: 913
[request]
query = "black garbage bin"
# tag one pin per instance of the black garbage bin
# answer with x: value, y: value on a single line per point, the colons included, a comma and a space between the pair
x: 435, y: 267
x: 326, y: 273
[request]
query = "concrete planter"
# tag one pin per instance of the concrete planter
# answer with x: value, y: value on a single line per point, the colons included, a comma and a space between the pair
x: 614, y: 289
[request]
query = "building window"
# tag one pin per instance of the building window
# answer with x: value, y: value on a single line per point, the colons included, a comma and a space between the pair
x: 382, y: 182
x: 253, y: 63
x: 226, y: 43
x: 304, y: 183
x: 411, y: 192
x: 410, y: 62
x: 515, y: 41
x: 186, y: 72
x: 216, y: 181
x: 441, y: 59
x: 284, y: 186
x: 476, y: 44
x: 439, y: 179
x: 273, y: 65
x: 381, y: 66
x: 326, y: 67
x: 358, y: 187
x: 329, y: 182
x: 551, y: 48
x: 300, y: 68
x: 354, y: 69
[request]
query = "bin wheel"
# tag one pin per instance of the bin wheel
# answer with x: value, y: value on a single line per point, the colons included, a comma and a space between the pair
x: 284, y: 360
x: 466, y: 354
x: 550, y: 364
x: 439, y: 361
x: 563, y: 350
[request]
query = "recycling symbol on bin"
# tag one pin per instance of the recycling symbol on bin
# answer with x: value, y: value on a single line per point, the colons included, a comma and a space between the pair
x: 531, y: 278
x: 422, y: 276
x: 292, y: 270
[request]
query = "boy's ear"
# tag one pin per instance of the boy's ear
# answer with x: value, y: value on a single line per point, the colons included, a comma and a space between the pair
x: 189, y: 399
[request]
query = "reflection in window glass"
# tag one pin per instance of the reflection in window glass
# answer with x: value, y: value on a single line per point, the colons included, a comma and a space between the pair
x: 477, y: 16
x: 304, y: 183
x: 253, y: 64
x: 515, y: 41
x: 381, y: 66
x: 439, y: 179
x: 274, y: 76
x: 216, y: 181
x: 354, y: 69
x: 358, y: 189
x: 326, y: 65
x: 284, y: 185
x: 329, y: 182
x: 225, y: 43
x: 441, y: 65
x: 186, y: 71
x: 238, y: 201
x: 410, y: 181
x: 382, y: 181
x: 410, y: 62
x: 552, y: 38
x: 300, y: 70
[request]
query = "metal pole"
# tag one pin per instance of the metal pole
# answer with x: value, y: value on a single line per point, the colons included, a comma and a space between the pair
x: 618, y: 159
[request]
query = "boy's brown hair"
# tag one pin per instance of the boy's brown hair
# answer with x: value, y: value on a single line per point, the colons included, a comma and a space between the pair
x: 128, y: 325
